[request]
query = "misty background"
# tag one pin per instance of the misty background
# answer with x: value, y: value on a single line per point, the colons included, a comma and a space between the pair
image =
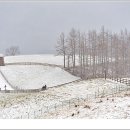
x: 36, y: 26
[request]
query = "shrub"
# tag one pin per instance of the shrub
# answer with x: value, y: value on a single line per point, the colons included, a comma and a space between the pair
x: 86, y: 106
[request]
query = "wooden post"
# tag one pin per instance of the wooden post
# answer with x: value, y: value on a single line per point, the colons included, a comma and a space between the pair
x: 98, y: 92
x: 69, y: 104
x: 105, y: 74
x: 41, y: 111
x: 34, y: 114
x: 55, y: 107
x: 28, y: 115
x: 78, y: 100
x: 95, y: 95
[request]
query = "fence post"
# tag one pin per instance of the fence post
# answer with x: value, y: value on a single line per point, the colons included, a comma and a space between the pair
x: 119, y: 88
x: 55, y: 106
x: 127, y: 82
x: 117, y: 79
x: 95, y: 95
x: 98, y: 93
x: 78, y: 100
x: 34, y: 114
x: 120, y: 80
x: 112, y: 92
x: 105, y: 74
x: 28, y: 115
x: 47, y: 109
x: 41, y: 111
x: 84, y: 101
x: 69, y: 104
x: 123, y: 81
x: 87, y: 97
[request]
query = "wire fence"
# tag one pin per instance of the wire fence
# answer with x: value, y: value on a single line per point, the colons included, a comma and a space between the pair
x: 75, y: 102
x: 33, y: 63
x: 68, y: 104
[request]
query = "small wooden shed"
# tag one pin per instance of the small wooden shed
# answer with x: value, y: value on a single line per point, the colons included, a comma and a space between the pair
x: 2, y: 60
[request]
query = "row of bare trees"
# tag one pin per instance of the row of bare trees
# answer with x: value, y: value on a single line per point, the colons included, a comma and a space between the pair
x: 94, y: 54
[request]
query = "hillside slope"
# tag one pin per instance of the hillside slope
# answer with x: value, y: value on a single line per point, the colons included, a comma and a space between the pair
x: 35, y: 76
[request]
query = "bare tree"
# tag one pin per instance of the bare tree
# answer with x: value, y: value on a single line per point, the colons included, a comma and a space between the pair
x: 72, y: 41
x: 98, y: 53
x: 61, y: 48
x: 13, y: 50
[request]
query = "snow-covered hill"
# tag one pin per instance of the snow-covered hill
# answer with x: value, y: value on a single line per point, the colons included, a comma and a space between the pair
x: 36, y: 76
x: 46, y: 58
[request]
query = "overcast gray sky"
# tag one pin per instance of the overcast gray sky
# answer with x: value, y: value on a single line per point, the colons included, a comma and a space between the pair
x: 35, y: 26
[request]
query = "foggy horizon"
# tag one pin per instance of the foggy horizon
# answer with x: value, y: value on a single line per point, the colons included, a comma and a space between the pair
x: 36, y: 26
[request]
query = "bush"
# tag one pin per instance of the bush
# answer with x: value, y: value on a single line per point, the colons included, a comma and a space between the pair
x: 86, y: 106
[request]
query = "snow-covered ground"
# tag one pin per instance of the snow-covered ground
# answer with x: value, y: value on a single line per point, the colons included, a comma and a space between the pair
x: 36, y: 76
x: 46, y: 58
x: 104, y: 108
x: 3, y: 83
x: 17, y: 105
x: 34, y: 105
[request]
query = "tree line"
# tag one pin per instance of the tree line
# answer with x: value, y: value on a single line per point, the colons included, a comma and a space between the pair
x: 95, y: 53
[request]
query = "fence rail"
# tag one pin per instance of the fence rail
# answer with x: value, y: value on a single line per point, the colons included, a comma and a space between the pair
x: 21, y: 91
x: 33, y: 63
x: 74, y: 102
x: 122, y: 80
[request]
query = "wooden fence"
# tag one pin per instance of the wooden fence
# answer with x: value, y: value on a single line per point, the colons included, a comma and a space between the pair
x: 122, y: 80
x: 33, y: 63
x: 21, y: 91
x: 74, y: 102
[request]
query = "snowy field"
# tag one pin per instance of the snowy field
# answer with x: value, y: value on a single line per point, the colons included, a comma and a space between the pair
x: 3, y: 83
x: 46, y: 58
x: 15, y: 105
x: 35, y: 76
x: 34, y: 105
x: 103, y: 108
